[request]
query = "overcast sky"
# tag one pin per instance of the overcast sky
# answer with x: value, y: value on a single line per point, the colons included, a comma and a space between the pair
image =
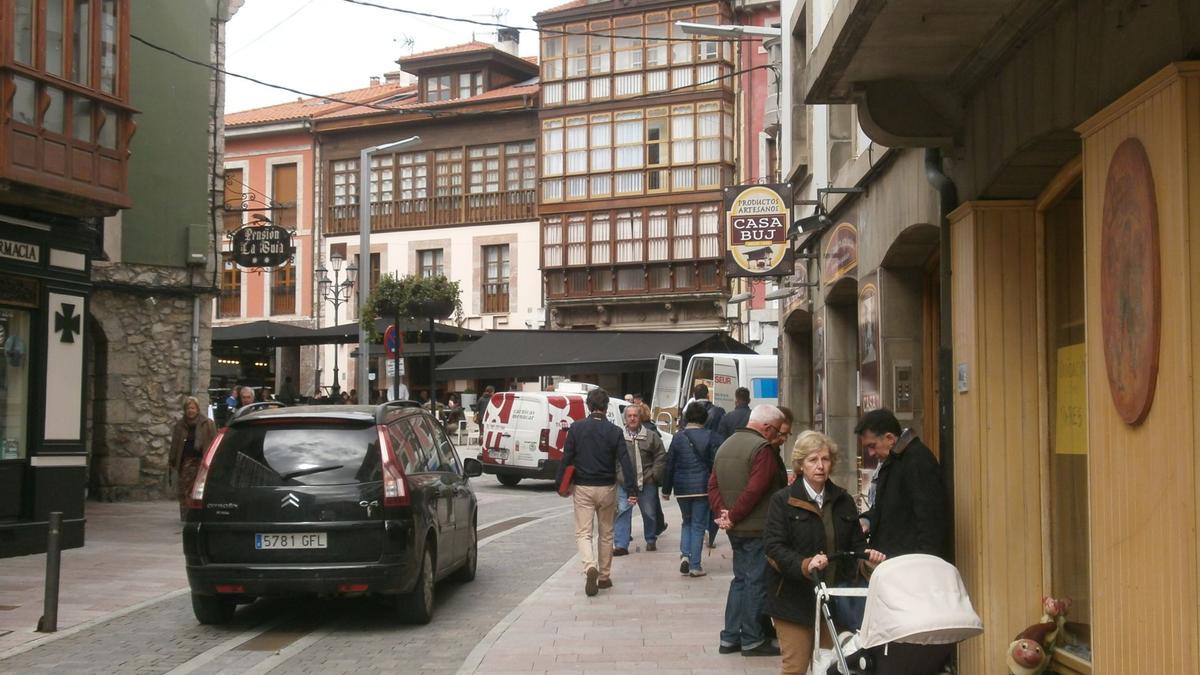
x: 327, y: 46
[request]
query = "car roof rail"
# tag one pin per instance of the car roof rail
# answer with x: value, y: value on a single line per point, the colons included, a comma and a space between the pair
x: 255, y: 407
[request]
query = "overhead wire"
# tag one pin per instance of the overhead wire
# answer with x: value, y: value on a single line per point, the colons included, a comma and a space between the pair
x: 536, y: 29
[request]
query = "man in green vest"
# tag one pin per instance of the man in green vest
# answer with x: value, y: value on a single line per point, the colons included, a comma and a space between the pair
x: 745, y: 474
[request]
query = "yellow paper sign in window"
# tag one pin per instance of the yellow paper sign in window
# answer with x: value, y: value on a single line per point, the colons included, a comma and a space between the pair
x: 1070, y: 401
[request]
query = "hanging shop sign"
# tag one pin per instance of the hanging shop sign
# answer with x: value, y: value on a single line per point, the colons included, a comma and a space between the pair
x: 264, y: 246
x: 840, y: 256
x: 757, y: 218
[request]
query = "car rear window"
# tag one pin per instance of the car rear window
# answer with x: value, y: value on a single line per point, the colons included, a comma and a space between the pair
x: 270, y: 455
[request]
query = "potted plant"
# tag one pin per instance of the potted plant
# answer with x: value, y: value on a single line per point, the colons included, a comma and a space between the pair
x: 410, y: 297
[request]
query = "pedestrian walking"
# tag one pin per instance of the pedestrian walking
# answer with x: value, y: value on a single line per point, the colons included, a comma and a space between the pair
x: 738, y: 417
x: 909, y: 510
x: 745, y: 473
x: 482, y: 404
x: 594, y: 447
x: 689, y: 463
x: 192, y: 434
x: 806, y: 522
x: 659, y: 516
x: 649, y: 459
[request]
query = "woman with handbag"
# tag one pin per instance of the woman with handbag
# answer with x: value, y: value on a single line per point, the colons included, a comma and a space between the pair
x: 689, y: 463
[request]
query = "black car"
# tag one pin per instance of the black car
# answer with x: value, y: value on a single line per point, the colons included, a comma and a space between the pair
x: 330, y: 501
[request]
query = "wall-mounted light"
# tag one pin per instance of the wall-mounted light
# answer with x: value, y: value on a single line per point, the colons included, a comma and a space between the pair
x: 781, y: 292
x: 740, y: 298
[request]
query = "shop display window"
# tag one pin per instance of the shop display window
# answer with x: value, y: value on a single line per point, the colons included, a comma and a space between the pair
x: 14, y: 383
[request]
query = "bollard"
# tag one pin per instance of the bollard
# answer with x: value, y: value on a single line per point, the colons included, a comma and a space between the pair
x: 49, y: 621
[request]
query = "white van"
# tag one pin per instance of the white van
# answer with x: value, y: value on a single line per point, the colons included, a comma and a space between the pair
x: 522, y: 433
x: 723, y: 373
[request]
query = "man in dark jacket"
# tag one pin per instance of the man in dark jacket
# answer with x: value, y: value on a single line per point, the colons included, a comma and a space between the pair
x: 908, y: 514
x: 738, y: 417
x: 745, y: 474
x: 594, y: 446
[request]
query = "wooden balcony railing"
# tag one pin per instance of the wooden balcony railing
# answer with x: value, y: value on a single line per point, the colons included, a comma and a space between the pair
x: 490, y: 207
x: 495, y: 298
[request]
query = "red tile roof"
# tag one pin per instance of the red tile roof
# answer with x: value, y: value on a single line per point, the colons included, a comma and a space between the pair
x: 510, y: 91
x: 569, y: 5
x: 313, y: 107
x: 473, y: 46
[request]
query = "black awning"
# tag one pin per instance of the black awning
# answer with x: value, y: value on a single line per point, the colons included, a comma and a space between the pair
x: 530, y: 353
x: 262, y: 334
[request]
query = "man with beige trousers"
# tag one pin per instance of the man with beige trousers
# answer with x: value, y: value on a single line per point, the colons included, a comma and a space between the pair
x: 594, y: 446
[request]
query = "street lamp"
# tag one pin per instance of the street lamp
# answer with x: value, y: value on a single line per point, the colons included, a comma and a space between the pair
x: 336, y: 291
x: 364, y: 247
x: 728, y: 31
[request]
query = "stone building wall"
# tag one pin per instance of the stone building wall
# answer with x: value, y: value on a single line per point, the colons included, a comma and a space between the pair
x: 144, y: 318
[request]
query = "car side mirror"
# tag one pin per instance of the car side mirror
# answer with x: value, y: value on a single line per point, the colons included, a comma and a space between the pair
x: 472, y: 467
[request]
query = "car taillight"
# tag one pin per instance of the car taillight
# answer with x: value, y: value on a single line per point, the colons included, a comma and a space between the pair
x: 395, y: 485
x: 544, y: 440
x: 196, y: 498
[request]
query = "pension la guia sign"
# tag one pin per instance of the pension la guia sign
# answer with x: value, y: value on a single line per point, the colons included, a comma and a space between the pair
x: 757, y: 218
x: 261, y: 246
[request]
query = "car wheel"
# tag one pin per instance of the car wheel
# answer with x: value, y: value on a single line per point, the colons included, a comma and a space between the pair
x: 467, y: 571
x: 507, y: 480
x: 417, y: 606
x: 213, y: 609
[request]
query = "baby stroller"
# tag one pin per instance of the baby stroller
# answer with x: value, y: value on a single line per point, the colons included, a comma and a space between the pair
x: 917, y: 610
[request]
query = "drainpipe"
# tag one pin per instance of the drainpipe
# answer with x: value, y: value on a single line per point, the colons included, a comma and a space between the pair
x: 194, y: 370
x: 948, y: 200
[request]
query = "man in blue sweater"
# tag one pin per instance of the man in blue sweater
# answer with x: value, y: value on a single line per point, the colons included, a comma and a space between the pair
x: 594, y: 446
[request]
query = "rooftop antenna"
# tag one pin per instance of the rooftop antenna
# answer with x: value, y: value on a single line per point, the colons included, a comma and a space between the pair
x: 497, y: 16
x: 405, y: 41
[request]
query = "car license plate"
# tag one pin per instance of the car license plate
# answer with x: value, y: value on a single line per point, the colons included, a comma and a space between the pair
x: 290, y: 540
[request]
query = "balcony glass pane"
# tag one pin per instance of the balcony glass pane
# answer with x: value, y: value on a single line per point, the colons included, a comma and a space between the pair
x: 23, y: 32
x: 52, y: 120
x: 81, y: 118
x: 108, y: 46
x: 81, y: 43
x: 54, y: 37
x: 25, y: 101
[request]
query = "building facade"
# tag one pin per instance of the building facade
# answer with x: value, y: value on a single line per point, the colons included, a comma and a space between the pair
x: 637, y: 142
x: 1046, y: 153
x: 88, y: 389
x: 461, y: 202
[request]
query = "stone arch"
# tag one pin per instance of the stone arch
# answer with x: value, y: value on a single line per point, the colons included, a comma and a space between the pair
x: 796, y: 366
x: 841, y: 374
x: 96, y: 441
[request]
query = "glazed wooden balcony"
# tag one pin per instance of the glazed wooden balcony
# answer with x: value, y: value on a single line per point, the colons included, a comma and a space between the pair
x: 488, y: 207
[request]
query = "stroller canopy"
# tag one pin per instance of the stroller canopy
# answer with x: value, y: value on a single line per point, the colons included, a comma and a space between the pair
x: 917, y: 599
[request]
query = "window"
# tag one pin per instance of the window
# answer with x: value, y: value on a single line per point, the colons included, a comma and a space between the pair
x: 108, y: 46
x: 15, y: 326
x: 437, y: 88
x: 552, y: 52
x: 552, y: 242
x: 628, y: 44
x: 449, y: 169
x: 470, y: 84
x: 651, y: 150
x: 629, y: 236
x: 283, y: 195
x: 520, y: 166
x: 283, y: 289
x: 81, y: 43
x: 230, y: 305
x: 656, y: 48
x: 710, y: 232
x: 495, y: 279
x: 656, y: 231
x: 601, y: 239
x: 577, y: 50
x: 375, y: 273
x: 430, y: 263
x: 55, y: 37
x: 234, y: 187
x: 23, y: 31
x: 577, y: 240
x: 413, y: 173
x: 1066, y: 348
x: 484, y: 169
x: 382, y: 178
x: 600, y: 46
x: 684, y: 234
x: 345, y: 182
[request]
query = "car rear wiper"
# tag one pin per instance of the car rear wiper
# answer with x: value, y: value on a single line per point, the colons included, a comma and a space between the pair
x: 311, y: 470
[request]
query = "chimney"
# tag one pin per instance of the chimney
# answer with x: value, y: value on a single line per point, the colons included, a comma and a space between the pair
x: 508, y: 38
x: 393, y: 77
x: 374, y: 80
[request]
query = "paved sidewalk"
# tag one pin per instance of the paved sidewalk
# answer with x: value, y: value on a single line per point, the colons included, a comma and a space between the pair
x: 653, y: 619
x: 132, y: 554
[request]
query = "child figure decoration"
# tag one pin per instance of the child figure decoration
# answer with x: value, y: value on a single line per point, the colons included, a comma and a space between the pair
x: 1029, y: 653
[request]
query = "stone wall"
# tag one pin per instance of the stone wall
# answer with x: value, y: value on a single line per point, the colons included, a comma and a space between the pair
x: 145, y: 315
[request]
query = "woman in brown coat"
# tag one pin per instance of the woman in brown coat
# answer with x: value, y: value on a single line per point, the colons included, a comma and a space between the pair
x: 192, y: 435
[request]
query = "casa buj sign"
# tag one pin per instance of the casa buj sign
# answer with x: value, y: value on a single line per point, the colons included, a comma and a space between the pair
x: 262, y: 246
x: 757, y: 218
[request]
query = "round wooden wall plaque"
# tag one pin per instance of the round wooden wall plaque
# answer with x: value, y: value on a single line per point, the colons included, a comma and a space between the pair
x: 1130, y: 281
